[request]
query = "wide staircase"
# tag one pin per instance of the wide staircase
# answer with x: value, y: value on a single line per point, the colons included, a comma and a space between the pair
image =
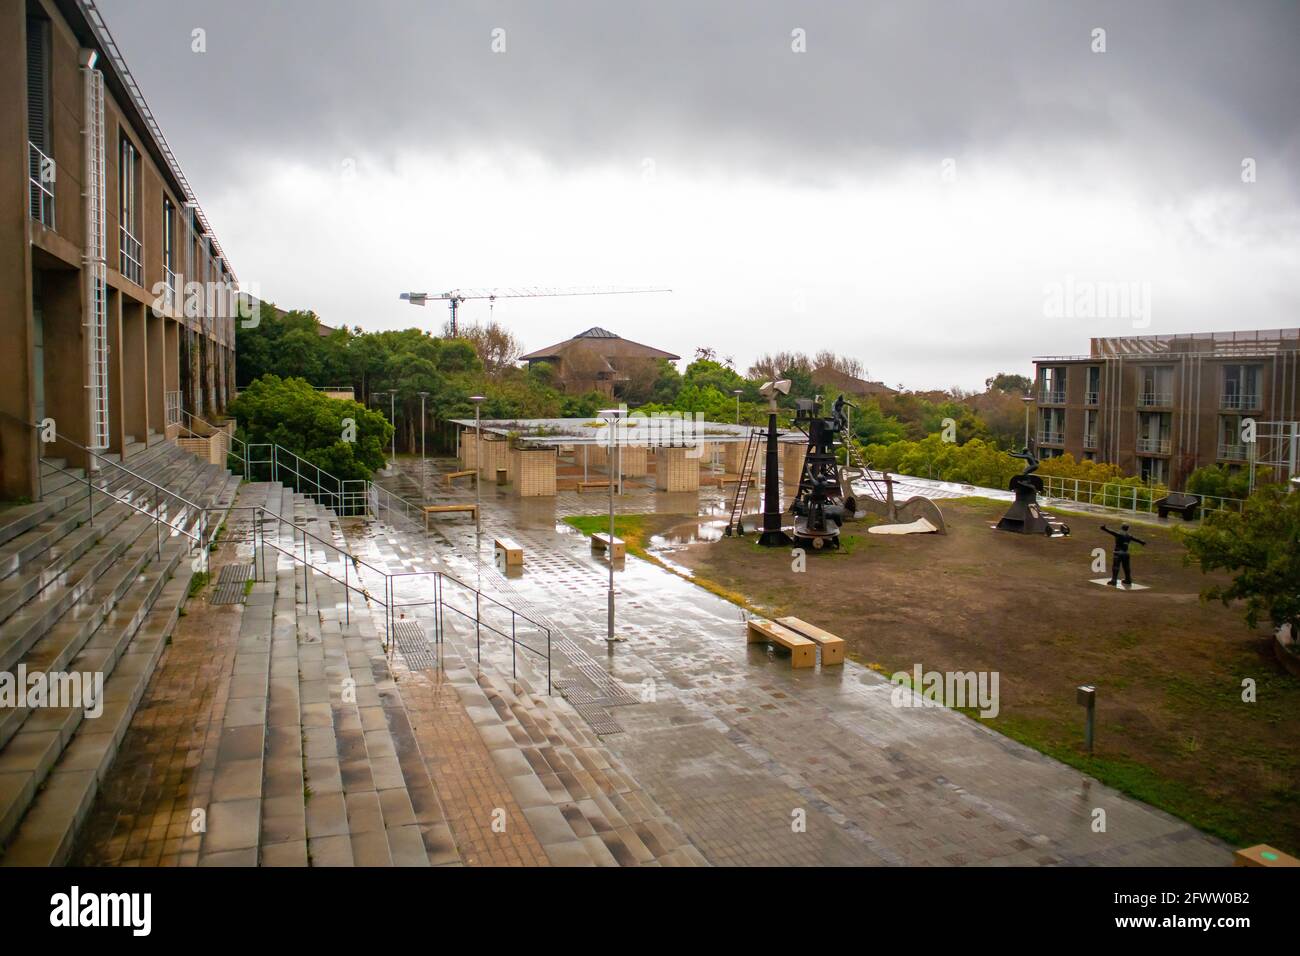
x: 90, y: 586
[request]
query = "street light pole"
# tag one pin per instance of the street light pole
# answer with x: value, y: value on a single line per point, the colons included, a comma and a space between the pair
x: 424, y: 475
x: 392, y: 405
x: 611, y: 415
x: 478, y: 464
x: 737, y: 392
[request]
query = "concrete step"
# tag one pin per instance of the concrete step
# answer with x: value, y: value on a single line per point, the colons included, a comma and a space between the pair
x: 46, y: 834
x: 65, y: 639
x: 87, y: 554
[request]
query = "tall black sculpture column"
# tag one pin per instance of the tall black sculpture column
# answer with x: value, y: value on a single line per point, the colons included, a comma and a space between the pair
x: 772, y: 535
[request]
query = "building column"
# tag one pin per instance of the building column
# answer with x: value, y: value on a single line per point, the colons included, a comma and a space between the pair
x: 134, y: 371
x: 675, y: 471
x: 155, y: 351
x: 116, y: 403
x: 66, y: 396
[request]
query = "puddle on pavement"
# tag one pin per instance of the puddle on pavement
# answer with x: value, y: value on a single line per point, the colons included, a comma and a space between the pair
x: 688, y: 532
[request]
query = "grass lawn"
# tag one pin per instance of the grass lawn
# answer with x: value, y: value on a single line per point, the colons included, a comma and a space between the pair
x: 1172, y: 728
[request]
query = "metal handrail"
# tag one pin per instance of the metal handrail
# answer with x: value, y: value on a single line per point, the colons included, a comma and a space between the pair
x: 156, y: 516
x: 1125, y: 497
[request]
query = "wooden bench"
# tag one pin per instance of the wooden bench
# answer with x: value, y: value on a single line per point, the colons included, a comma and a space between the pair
x: 803, y: 652
x: 447, y: 509
x: 451, y: 476
x: 832, y: 646
x: 600, y: 541
x: 514, y: 554
x: 593, y: 483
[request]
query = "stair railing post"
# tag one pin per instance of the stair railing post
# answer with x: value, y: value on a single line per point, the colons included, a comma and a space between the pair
x: 90, y: 499
x: 478, y: 642
x: 347, y: 601
x: 548, y: 662
x: 157, y: 522
x: 512, y: 640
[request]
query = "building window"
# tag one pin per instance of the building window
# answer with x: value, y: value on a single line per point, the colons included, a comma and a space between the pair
x: 169, y: 251
x: 1154, y: 470
x: 1051, y: 386
x: 1093, y: 390
x: 1232, y: 446
x: 1157, y: 386
x: 1153, y: 435
x: 1090, y: 428
x: 128, y: 245
x: 40, y: 151
x: 1051, y: 426
x: 1240, y: 387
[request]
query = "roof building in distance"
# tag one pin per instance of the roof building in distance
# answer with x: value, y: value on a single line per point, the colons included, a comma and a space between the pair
x: 828, y: 377
x: 597, y: 360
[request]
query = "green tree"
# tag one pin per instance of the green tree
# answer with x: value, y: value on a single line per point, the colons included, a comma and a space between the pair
x: 294, y: 415
x: 1261, y: 545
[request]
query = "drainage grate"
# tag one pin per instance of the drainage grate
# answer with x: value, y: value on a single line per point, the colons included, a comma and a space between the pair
x: 608, y: 690
x: 575, y: 692
x: 230, y: 584
x: 414, y: 646
x: 598, y: 719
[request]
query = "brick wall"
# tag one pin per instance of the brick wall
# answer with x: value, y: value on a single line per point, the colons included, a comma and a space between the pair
x: 535, y: 472
x: 675, y: 472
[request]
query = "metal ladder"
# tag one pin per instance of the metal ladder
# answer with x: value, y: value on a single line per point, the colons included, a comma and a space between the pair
x: 747, y: 464
x: 96, y: 297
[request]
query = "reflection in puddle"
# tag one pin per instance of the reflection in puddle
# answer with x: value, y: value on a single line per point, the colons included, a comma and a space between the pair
x: 688, y: 532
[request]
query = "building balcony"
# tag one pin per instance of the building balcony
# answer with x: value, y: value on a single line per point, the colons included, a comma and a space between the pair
x: 1048, y: 397
x: 131, y: 253
x: 1156, y: 400
x: 1051, y: 438
x: 1232, y: 452
x: 1090, y: 398
x: 41, y: 176
x: 1090, y: 440
x: 1153, y: 446
x: 1239, y: 400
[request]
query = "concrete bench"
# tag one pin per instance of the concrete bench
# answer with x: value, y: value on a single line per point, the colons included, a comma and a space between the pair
x: 447, y: 509
x: 1263, y: 855
x: 832, y: 646
x: 803, y: 652
x: 503, y: 476
x: 514, y: 554
x: 593, y: 483
x: 451, y: 476
x: 600, y: 541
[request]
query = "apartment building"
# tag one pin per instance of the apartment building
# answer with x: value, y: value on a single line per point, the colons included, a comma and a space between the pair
x: 1161, y: 406
x: 116, y: 309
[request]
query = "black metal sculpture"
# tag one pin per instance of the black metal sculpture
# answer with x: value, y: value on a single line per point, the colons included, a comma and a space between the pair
x: 821, y: 505
x: 1025, y: 517
x: 1119, y: 556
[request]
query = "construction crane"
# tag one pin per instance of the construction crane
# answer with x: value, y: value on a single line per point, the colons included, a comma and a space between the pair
x: 456, y: 296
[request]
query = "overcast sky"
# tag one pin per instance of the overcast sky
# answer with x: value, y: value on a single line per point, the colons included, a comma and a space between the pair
x: 916, y: 189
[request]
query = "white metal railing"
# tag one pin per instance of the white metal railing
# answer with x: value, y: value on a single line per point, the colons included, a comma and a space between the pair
x: 1155, y: 399
x: 41, y: 175
x: 1051, y: 438
x: 1229, y: 452
x: 131, y: 254
x: 1239, y: 400
x: 1090, y: 398
x: 1089, y: 439
x: 1123, y: 496
x: 173, y: 404
x: 1153, y: 446
x: 1050, y: 397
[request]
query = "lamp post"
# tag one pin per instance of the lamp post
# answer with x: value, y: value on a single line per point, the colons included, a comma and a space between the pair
x: 478, y: 463
x: 612, y: 416
x: 737, y: 392
x: 1028, y: 399
x: 424, y: 475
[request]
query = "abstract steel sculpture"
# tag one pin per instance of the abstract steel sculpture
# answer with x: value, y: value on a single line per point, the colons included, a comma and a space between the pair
x: 1025, y: 517
x: 1119, y: 557
x: 820, y: 506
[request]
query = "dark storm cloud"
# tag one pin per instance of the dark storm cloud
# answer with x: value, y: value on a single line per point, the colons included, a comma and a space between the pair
x: 1184, y: 91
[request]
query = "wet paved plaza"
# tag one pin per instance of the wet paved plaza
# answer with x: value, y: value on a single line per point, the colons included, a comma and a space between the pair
x: 761, y: 764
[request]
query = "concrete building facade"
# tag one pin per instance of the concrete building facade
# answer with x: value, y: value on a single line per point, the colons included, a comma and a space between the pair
x: 116, y: 301
x: 1161, y: 406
